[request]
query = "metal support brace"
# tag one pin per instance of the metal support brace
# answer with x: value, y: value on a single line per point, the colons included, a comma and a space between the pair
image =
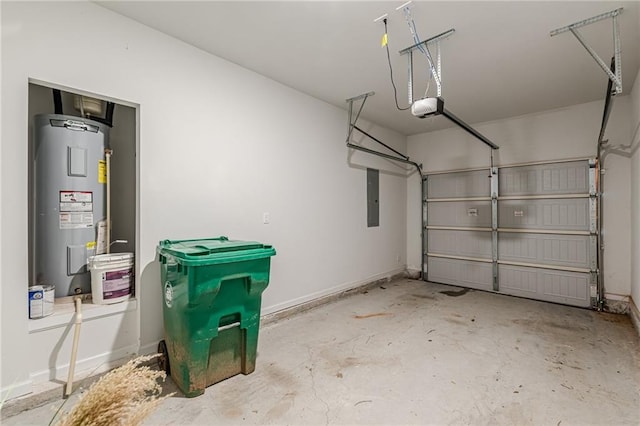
x: 352, y: 126
x: 617, y: 50
x: 439, y: 70
x: 617, y: 77
x: 410, y: 78
x: 352, y: 122
x: 494, y: 225
x: 436, y: 69
x: 425, y: 232
x: 595, y: 290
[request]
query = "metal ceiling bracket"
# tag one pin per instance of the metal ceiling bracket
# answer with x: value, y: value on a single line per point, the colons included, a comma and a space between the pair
x: 439, y: 70
x: 436, y: 70
x: 350, y: 101
x: 410, y: 78
x: 617, y: 77
x: 352, y: 125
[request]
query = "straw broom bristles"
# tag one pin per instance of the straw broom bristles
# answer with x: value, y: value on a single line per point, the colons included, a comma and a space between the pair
x: 124, y: 396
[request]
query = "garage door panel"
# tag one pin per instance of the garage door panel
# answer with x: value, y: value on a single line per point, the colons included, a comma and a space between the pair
x: 551, y: 214
x: 459, y: 185
x: 570, y: 288
x: 478, y: 275
x: 559, y: 250
x: 460, y: 213
x: 543, y: 248
x: 545, y: 179
x: 460, y: 243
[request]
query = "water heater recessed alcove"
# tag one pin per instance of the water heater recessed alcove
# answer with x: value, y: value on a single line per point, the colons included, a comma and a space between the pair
x: 82, y: 192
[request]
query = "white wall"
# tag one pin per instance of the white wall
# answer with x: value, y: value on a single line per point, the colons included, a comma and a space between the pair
x: 635, y: 190
x: 20, y: 376
x: 550, y: 135
x: 207, y: 167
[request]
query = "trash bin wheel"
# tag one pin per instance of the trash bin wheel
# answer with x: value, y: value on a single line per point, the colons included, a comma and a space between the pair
x: 163, y: 359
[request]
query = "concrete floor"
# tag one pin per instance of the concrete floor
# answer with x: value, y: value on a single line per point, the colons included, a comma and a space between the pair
x: 410, y: 352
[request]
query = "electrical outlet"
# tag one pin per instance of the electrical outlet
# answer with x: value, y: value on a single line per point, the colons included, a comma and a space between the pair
x: 265, y: 218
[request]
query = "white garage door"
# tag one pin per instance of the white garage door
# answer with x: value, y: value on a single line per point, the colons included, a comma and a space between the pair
x: 459, y: 229
x: 528, y: 231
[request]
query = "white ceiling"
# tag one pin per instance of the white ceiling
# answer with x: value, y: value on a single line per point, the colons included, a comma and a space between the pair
x: 501, y: 61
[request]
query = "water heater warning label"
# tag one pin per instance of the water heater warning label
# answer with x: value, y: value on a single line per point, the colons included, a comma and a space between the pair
x: 102, y: 171
x: 76, y: 209
x: 76, y: 220
x: 76, y: 196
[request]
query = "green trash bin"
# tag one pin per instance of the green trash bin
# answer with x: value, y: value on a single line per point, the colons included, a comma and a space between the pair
x: 212, y: 291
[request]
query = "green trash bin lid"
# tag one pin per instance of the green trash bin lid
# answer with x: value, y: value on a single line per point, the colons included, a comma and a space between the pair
x: 210, y: 251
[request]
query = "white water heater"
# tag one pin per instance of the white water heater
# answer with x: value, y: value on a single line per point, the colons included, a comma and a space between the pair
x: 70, y: 190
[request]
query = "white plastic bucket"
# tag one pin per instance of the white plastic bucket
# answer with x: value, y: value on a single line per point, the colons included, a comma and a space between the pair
x: 111, y: 277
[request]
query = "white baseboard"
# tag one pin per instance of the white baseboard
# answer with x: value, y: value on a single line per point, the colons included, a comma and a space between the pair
x: 413, y: 273
x: 148, y: 349
x: 15, y: 390
x: 88, y: 366
x: 617, y: 297
x: 616, y: 303
x: 329, y: 291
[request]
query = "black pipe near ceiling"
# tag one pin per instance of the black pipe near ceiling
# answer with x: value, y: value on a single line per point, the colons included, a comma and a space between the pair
x: 57, y: 101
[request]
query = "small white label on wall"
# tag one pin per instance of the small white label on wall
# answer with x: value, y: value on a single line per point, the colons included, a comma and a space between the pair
x: 472, y: 212
x: 518, y: 213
